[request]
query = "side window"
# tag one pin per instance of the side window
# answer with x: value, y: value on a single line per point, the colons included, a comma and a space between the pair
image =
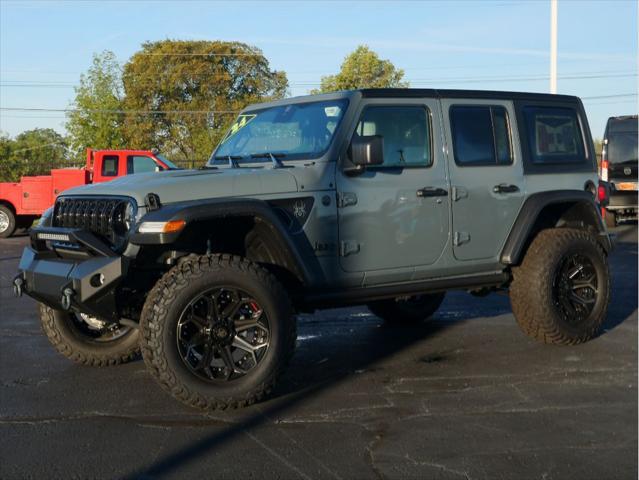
x: 481, y: 135
x: 110, y: 166
x: 140, y: 164
x: 554, y: 136
x: 406, y: 132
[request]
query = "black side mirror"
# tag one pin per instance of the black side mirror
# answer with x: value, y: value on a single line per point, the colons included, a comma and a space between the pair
x: 367, y: 151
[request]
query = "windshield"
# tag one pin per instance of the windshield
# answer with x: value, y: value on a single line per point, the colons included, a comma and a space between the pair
x: 290, y: 132
x: 167, y: 162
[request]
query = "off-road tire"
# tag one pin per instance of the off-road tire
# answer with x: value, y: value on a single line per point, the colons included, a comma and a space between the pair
x: 70, y: 342
x: 11, y: 228
x: 611, y: 219
x: 161, y: 312
x: 397, y: 312
x: 531, y: 291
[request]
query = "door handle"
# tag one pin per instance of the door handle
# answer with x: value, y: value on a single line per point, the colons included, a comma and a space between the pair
x: 505, y: 188
x: 432, y: 192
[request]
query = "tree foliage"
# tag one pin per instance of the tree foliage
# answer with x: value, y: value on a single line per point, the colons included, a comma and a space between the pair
x: 183, y: 95
x: 96, y: 119
x: 32, y: 152
x: 363, y: 69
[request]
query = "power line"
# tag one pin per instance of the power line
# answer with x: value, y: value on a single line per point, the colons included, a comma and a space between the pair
x: 137, y: 112
x: 413, y: 82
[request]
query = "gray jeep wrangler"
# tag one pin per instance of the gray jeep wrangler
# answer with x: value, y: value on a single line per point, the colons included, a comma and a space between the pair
x: 387, y: 198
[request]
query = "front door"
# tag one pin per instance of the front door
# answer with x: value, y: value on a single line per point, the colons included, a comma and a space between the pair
x: 395, y: 215
x: 486, y: 174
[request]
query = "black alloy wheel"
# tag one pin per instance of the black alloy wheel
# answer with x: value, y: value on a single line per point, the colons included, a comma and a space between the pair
x: 222, y: 334
x: 575, y: 288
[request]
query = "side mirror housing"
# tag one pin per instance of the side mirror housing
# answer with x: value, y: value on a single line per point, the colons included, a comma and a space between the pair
x: 367, y: 150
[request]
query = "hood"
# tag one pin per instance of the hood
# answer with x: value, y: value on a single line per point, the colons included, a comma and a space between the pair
x: 183, y: 185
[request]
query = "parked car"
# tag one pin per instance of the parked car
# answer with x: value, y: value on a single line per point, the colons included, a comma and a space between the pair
x: 387, y: 198
x: 619, y: 168
x: 24, y: 201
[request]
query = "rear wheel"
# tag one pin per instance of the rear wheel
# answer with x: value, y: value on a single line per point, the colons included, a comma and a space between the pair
x: 7, y: 221
x: 560, y: 292
x: 406, y: 310
x: 87, y: 340
x: 217, y: 331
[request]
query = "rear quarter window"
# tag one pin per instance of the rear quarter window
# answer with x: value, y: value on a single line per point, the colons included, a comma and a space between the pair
x: 554, y: 136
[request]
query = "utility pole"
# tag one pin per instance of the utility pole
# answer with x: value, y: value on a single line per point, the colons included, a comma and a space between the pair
x: 553, y: 46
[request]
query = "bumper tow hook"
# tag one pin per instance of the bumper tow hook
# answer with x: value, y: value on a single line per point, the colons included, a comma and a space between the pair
x: 18, y: 284
x: 67, y: 294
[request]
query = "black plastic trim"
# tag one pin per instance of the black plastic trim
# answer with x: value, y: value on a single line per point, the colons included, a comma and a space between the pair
x: 199, y: 210
x: 530, y: 211
x: 359, y: 295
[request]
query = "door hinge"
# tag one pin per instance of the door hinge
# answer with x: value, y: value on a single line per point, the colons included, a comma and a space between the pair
x: 461, y: 238
x: 348, y: 248
x: 346, y: 199
x: 459, y: 193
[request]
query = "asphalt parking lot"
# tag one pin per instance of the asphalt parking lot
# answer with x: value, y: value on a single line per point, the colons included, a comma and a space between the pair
x: 465, y: 397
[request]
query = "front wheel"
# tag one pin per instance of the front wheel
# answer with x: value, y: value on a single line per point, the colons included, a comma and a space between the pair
x: 88, y: 340
x: 560, y: 292
x: 217, y: 331
x: 407, y: 310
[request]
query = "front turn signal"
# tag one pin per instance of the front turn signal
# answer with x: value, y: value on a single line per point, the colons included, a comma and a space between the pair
x: 171, y: 226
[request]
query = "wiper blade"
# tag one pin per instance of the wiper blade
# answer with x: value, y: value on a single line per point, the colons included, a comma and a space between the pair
x: 275, y: 158
x: 232, y: 159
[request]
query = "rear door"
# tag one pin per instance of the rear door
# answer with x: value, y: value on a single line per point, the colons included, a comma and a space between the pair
x: 106, y: 167
x: 621, y: 152
x: 394, y: 217
x: 486, y: 173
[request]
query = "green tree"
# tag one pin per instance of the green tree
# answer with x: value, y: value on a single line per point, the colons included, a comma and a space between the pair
x: 96, y: 118
x: 33, y: 152
x: 363, y: 69
x: 181, y: 96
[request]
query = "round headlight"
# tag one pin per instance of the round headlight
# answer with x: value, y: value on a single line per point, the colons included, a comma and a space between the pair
x: 124, y: 218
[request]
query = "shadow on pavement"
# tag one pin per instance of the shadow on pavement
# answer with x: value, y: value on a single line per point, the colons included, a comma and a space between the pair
x: 306, y: 381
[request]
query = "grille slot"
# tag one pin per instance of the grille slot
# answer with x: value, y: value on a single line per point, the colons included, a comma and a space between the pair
x: 97, y: 215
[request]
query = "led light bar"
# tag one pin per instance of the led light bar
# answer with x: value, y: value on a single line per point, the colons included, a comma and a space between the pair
x: 56, y: 237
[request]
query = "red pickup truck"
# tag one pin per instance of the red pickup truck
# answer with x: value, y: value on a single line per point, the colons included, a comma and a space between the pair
x: 24, y: 201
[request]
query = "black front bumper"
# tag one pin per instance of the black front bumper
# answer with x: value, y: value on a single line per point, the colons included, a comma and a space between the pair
x: 78, y: 272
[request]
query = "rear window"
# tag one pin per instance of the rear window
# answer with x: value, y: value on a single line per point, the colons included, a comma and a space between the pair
x: 554, y: 135
x: 110, y: 166
x: 622, y: 140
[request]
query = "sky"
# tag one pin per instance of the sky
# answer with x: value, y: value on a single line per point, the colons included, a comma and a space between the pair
x: 469, y: 44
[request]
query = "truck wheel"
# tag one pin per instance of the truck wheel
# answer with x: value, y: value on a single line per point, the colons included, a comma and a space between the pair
x: 7, y: 222
x: 217, y: 331
x: 560, y: 292
x: 87, y: 340
x: 405, y: 310
x: 611, y: 219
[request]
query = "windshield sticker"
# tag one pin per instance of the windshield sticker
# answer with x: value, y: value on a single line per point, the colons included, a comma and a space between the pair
x: 241, y: 122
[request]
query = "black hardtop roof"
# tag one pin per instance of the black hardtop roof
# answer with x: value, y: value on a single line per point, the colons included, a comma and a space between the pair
x: 417, y: 93
x: 445, y: 93
x: 621, y: 118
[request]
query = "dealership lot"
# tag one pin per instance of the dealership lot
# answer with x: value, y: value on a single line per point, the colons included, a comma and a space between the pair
x: 466, y: 396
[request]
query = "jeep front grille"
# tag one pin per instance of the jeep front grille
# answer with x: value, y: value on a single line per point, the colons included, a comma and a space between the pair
x: 107, y: 217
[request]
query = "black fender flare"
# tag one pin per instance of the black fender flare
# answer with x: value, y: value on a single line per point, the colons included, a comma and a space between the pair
x: 534, y: 204
x: 298, y: 250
